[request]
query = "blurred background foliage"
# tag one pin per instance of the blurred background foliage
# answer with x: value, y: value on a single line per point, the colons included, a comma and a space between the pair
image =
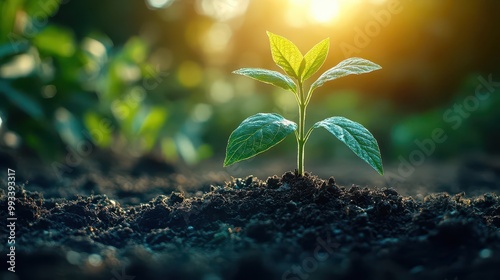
x: 154, y: 76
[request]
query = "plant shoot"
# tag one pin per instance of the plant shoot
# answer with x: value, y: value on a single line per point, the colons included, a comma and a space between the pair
x: 263, y: 131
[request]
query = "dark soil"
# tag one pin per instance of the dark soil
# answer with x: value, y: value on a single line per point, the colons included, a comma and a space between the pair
x: 120, y: 227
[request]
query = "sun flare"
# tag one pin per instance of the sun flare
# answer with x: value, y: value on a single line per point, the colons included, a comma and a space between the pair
x: 315, y: 11
x: 324, y: 10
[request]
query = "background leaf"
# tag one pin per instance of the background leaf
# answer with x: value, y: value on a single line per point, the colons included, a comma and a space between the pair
x: 11, y: 49
x: 357, y: 138
x: 268, y: 77
x: 42, y: 9
x: 8, y: 11
x: 255, y: 135
x: 353, y: 65
x: 315, y: 58
x: 56, y: 41
x: 285, y: 54
x: 22, y: 101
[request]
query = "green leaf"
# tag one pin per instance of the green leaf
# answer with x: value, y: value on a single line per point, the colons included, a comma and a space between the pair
x: 357, y: 138
x: 255, y: 135
x: 11, y: 49
x: 285, y: 54
x: 353, y: 65
x: 315, y: 58
x: 22, y: 101
x: 8, y: 13
x: 268, y: 77
x: 56, y: 41
x: 41, y: 9
x: 94, y: 122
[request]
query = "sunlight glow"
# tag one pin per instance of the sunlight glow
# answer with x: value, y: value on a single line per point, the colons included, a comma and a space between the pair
x: 217, y: 37
x: 324, y: 10
x: 189, y: 74
x: 222, y: 10
x: 201, y: 112
x: 159, y: 4
x: 11, y: 139
x: 316, y: 11
x: 94, y: 47
x: 221, y: 91
x: 20, y: 66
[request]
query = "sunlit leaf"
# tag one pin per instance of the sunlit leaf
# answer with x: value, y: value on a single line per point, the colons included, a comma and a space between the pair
x: 315, y: 58
x: 255, y: 135
x: 268, y: 77
x: 285, y: 54
x: 357, y: 138
x: 353, y: 65
x: 8, y: 13
x: 151, y: 125
x: 156, y: 118
x: 135, y: 50
x: 55, y: 41
x: 41, y: 9
x: 98, y: 129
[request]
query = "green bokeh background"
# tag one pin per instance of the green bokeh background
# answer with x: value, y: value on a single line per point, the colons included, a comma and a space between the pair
x: 154, y: 77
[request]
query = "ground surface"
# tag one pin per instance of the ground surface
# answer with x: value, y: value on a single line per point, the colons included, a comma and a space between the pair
x: 100, y: 224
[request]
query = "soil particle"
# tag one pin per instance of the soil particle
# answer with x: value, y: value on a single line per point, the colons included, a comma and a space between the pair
x: 260, y: 231
x: 288, y: 227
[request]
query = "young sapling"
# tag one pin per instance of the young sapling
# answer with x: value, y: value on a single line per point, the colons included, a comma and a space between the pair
x: 262, y: 131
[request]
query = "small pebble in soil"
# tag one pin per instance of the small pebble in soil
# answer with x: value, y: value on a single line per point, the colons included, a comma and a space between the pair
x: 291, y: 205
x: 73, y: 257
x: 485, y: 253
x: 176, y: 197
x: 94, y: 260
x: 354, y: 210
x: 336, y: 231
x: 354, y: 188
x: 390, y: 192
x: 288, y: 176
x: 417, y: 269
x: 331, y: 181
x: 273, y: 182
x: 249, y: 180
x: 361, y: 218
x: 260, y: 231
x: 389, y: 241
